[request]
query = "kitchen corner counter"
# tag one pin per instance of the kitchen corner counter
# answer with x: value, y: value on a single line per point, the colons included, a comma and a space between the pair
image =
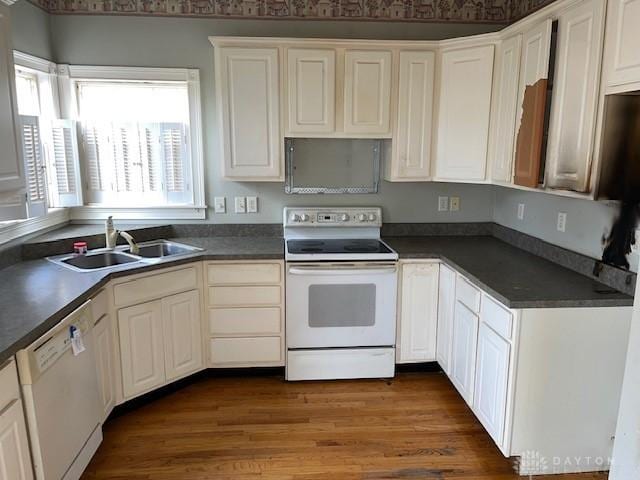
x: 36, y: 294
x: 516, y: 278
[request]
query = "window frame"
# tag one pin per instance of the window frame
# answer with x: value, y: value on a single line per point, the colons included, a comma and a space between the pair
x: 68, y: 77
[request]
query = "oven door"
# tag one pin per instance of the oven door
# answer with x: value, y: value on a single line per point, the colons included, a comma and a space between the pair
x: 341, y: 305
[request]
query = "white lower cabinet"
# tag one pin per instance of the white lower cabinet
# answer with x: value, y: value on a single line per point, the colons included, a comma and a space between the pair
x: 105, y: 364
x: 446, y: 309
x: 418, y: 313
x: 463, y: 359
x: 15, y: 460
x: 492, y: 375
x: 141, y: 347
x: 182, y: 334
x: 160, y: 341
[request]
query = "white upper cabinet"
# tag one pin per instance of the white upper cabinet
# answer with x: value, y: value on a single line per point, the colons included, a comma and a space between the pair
x: 623, y: 42
x: 249, y: 103
x: 575, y: 96
x: 367, y: 92
x: 418, y: 316
x: 411, y: 145
x: 464, y: 113
x: 505, y: 109
x: 11, y: 164
x: 534, y: 63
x: 311, y: 81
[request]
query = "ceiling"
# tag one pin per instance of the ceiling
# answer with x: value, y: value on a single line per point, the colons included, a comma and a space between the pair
x: 467, y: 11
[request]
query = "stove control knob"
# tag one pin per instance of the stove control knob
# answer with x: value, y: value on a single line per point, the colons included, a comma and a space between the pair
x: 294, y: 217
x: 344, y: 217
x: 372, y: 217
x: 304, y: 217
x: 361, y: 217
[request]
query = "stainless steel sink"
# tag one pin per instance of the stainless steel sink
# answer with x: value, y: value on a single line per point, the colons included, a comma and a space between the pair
x: 162, y: 248
x: 95, y: 260
x: 149, y: 252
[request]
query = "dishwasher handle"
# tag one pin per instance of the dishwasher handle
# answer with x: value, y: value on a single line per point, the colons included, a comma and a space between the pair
x: 341, y: 271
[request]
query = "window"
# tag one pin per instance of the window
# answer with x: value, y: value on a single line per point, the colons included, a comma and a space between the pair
x: 31, y: 139
x: 135, y: 142
x: 139, y: 140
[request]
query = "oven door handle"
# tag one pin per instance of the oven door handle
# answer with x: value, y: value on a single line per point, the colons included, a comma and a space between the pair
x: 346, y: 271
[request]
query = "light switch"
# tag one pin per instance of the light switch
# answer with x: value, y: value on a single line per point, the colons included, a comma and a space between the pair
x: 454, y: 204
x: 443, y: 204
x: 521, y: 211
x: 252, y: 204
x: 220, y: 204
x: 241, y: 206
x: 562, y: 221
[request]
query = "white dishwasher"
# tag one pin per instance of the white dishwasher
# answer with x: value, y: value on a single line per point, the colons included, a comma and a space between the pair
x: 61, y: 398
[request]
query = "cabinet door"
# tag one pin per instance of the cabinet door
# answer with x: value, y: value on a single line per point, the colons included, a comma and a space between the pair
x: 15, y: 461
x: 141, y: 347
x: 534, y: 61
x: 412, y: 140
x: 446, y: 307
x: 249, y: 102
x: 105, y: 363
x: 464, y: 113
x: 311, y: 80
x: 463, y: 357
x: 505, y: 109
x: 367, y: 91
x: 623, y: 39
x: 575, y: 96
x: 182, y: 333
x: 11, y: 165
x: 418, y: 313
x: 492, y: 374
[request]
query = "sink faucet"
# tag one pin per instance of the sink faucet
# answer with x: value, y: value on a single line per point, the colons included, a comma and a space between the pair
x: 111, y: 237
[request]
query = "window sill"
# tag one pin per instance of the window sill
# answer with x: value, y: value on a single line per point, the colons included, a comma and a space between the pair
x: 19, y: 228
x: 101, y: 212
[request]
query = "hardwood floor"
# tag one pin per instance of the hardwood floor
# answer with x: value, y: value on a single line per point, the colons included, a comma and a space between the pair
x: 415, y: 426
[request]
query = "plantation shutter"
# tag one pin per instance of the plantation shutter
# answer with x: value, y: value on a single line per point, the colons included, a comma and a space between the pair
x: 34, y: 165
x: 97, y: 155
x: 173, y: 139
x: 64, y: 161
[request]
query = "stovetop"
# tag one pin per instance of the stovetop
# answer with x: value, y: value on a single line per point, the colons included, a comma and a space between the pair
x: 337, y: 246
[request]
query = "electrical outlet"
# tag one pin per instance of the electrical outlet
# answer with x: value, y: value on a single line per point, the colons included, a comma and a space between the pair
x: 220, y: 204
x: 252, y: 204
x: 562, y: 221
x: 241, y: 206
x: 443, y: 204
x: 454, y: 204
x: 521, y: 211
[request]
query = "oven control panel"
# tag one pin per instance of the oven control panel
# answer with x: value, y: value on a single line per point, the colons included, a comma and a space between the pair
x: 333, y: 217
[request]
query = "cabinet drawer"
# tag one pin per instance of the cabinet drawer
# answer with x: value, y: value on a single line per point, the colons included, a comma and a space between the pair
x: 246, y: 350
x: 467, y: 294
x: 244, y: 296
x: 497, y: 317
x: 155, y: 286
x: 245, y: 321
x: 243, y: 274
x: 99, y: 306
x: 9, y: 388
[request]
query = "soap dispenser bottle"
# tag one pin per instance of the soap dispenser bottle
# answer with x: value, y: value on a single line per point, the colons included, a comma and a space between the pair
x: 110, y: 233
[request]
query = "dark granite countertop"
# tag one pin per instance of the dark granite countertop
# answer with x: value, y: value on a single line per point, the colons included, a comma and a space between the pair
x: 36, y: 294
x: 516, y: 278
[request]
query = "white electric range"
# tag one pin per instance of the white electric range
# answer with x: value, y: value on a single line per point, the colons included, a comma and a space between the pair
x: 340, y: 294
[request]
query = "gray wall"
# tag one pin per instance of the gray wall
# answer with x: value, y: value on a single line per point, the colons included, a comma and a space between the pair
x: 182, y: 42
x: 587, y: 221
x: 31, y: 30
